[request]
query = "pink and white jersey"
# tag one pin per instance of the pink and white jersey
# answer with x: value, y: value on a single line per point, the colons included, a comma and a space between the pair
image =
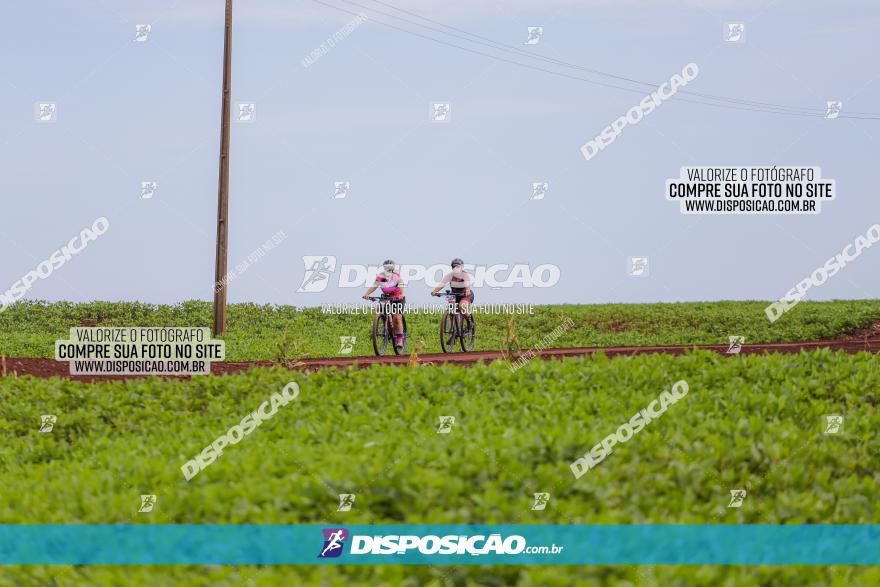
x: 459, y: 283
x: 390, y: 286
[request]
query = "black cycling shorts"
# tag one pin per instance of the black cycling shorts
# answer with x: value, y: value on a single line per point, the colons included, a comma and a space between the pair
x: 392, y: 305
x: 468, y: 296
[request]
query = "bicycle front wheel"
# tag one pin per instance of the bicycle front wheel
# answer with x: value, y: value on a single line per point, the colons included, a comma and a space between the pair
x: 448, y: 332
x: 380, y: 334
x: 402, y: 349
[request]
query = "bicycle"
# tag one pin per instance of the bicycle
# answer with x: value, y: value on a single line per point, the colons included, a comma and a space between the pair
x: 383, y: 327
x: 456, y: 325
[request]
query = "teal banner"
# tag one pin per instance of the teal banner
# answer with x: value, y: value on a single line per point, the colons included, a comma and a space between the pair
x: 429, y: 544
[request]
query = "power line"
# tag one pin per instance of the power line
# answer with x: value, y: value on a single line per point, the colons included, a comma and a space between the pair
x: 759, y: 107
x: 532, y: 55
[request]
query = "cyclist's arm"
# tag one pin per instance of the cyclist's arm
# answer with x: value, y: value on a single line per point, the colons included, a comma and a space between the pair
x: 446, y: 279
x: 370, y: 291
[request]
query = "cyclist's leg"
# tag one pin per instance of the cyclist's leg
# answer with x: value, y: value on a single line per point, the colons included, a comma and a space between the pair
x: 398, y: 319
x: 465, y: 305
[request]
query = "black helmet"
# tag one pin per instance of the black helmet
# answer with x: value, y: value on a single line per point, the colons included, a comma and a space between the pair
x: 388, y: 262
x: 456, y: 261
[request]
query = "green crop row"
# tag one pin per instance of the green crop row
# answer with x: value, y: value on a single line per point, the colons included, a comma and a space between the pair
x: 440, y: 576
x: 284, y: 332
x: 751, y: 422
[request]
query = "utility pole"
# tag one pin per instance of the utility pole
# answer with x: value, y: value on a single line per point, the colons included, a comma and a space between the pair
x: 220, y: 267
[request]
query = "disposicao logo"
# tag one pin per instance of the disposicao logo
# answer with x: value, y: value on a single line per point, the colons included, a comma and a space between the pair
x: 234, y: 435
x: 334, y: 540
x: 61, y: 256
x: 627, y: 430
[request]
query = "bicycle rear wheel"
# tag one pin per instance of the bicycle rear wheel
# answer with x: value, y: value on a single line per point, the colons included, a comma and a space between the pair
x: 468, y: 333
x: 380, y: 334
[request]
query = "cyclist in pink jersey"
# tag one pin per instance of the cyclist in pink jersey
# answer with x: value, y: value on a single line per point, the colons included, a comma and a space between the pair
x: 393, y: 290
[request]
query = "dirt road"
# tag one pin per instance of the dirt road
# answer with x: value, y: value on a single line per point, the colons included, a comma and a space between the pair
x: 41, y: 367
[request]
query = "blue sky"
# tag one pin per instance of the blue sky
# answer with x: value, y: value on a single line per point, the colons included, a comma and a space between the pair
x: 424, y: 192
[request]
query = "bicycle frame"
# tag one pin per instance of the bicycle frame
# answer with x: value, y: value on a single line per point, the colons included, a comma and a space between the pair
x: 455, y: 313
x: 386, y: 317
